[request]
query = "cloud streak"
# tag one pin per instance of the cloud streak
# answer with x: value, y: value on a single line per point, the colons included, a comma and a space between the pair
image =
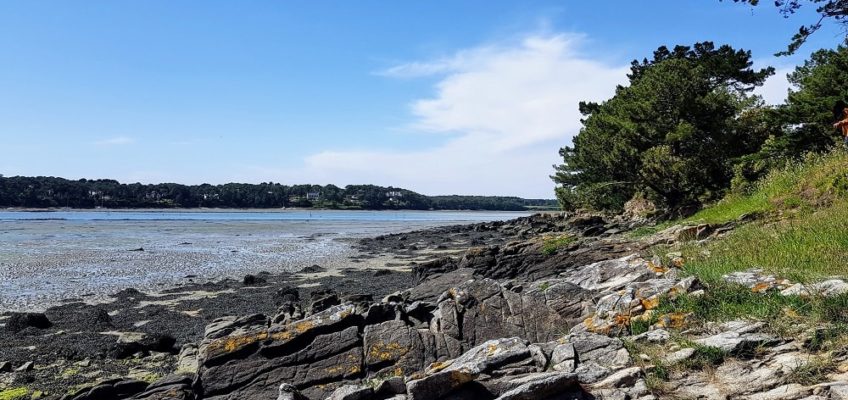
x: 115, y: 141
x: 501, y: 112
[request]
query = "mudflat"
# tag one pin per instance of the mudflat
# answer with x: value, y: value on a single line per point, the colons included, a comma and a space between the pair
x: 50, y: 258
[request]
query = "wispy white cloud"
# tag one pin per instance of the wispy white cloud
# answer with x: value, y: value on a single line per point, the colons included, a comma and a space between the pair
x: 506, y: 107
x: 115, y: 141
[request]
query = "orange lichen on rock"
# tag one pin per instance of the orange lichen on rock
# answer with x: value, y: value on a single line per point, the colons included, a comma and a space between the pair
x: 673, y: 320
x: 234, y: 343
x: 760, y: 287
x: 657, y: 268
x: 438, y: 366
x: 303, y: 326
x: 651, y: 302
x: 491, y: 349
x: 383, y: 352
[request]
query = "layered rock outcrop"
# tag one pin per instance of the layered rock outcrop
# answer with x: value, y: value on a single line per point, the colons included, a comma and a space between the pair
x: 481, y: 335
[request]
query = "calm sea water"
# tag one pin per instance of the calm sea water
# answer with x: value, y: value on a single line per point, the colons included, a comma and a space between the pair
x: 50, y: 257
x: 281, y: 215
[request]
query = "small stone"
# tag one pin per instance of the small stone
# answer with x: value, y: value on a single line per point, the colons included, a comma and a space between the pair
x: 678, y: 356
x: 289, y: 392
x: 795, y: 290
x: 654, y: 336
x: 5, y: 366
x: 562, y: 352
x: 27, y: 366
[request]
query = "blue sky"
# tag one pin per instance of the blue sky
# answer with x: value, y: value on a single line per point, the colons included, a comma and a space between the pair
x: 440, y: 97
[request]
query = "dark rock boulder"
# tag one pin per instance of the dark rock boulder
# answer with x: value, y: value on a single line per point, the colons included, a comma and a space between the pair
x: 145, y: 344
x: 286, y: 294
x: 322, y: 300
x: 252, y: 280
x: 313, y: 269
x: 20, y: 321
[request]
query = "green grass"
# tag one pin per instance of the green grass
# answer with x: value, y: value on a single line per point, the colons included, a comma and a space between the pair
x: 805, y: 241
x: 551, y: 245
x: 783, y: 315
x: 804, y: 249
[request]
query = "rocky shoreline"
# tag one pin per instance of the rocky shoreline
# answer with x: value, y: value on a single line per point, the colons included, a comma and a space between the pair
x: 535, y: 308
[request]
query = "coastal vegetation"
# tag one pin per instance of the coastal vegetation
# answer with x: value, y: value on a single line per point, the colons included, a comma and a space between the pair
x: 687, y: 131
x: 45, y: 192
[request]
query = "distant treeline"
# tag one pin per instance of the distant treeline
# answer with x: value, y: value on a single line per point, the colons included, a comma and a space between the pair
x: 45, y: 192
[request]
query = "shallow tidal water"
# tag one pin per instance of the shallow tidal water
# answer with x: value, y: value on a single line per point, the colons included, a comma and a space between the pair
x: 50, y: 257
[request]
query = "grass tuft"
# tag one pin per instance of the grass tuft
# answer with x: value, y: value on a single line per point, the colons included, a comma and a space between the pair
x: 552, y: 244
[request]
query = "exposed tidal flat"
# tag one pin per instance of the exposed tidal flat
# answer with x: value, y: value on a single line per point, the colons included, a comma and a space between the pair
x: 50, y: 257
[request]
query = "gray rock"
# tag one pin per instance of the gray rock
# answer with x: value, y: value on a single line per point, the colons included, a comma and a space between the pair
x: 678, y: 356
x: 542, y: 385
x: 187, y: 362
x: 171, y: 387
x: 27, y: 366
x: 609, y: 275
x: 563, y: 357
x: 437, y: 385
x: 591, y: 372
x: 654, y: 336
x: 539, y: 356
x: 352, y: 392
x: 5, y: 366
x: 252, y: 361
x: 392, y: 386
x: 839, y: 391
x: 395, y: 344
x: 740, y: 336
x: 783, y: 392
x: 289, y: 392
x: 831, y: 287
x: 624, y: 378
x: 490, y: 355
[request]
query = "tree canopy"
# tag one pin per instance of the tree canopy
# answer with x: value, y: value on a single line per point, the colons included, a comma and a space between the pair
x: 836, y: 10
x: 42, y: 192
x: 671, y: 134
